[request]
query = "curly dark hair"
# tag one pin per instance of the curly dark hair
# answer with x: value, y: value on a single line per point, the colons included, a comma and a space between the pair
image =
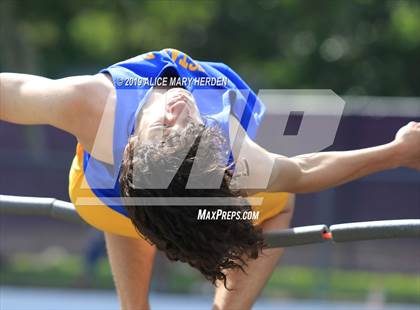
x: 209, y: 246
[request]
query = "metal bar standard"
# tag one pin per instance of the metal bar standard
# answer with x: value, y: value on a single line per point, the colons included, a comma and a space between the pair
x: 282, y: 238
x: 375, y: 230
x: 296, y: 236
x: 39, y: 206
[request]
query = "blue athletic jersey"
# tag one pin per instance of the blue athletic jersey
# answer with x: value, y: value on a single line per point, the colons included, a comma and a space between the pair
x: 102, y: 178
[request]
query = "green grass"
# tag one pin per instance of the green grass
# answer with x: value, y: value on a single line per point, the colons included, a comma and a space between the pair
x: 337, y: 284
x: 65, y: 271
x: 286, y: 281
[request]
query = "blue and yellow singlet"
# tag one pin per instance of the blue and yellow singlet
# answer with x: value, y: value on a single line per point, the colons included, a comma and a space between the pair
x: 97, y: 182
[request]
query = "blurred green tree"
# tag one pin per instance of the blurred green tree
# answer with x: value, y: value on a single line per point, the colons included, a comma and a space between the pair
x: 363, y: 47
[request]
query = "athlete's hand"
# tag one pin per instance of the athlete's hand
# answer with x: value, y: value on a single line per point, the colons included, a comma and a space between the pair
x: 407, y: 142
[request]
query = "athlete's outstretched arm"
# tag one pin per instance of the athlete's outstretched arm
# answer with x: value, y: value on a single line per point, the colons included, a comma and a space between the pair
x: 319, y: 171
x: 31, y: 100
x: 73, y: 104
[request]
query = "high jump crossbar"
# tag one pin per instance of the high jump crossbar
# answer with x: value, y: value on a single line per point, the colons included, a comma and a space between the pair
x: 405, y: 228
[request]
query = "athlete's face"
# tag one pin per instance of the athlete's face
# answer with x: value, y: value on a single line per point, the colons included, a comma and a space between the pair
x: 167, y: 111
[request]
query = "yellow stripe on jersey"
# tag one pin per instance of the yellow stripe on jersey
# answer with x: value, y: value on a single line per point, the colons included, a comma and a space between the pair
x: 99, y: 216
x: 106, y: 219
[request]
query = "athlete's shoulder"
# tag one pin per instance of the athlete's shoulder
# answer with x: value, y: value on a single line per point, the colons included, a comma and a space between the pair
x: 98, y: 96
x: 93, y: 90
